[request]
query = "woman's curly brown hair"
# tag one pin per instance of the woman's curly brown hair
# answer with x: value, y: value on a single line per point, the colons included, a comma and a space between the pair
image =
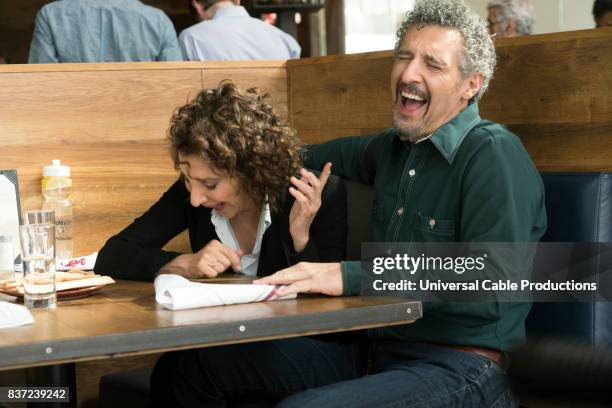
x: 240, y: 135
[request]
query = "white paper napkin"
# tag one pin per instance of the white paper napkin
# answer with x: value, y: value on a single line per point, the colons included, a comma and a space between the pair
x: 12, y: 315
x: 86, y: 262
x: 174, y: 292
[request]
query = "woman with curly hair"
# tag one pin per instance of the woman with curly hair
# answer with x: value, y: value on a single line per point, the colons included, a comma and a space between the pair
x: 242, y: 194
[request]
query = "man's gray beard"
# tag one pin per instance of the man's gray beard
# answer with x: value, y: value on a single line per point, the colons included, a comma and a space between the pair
x: 407, y: 133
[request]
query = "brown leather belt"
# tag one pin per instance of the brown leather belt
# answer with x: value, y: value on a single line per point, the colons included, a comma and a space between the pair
x: 491, y: 354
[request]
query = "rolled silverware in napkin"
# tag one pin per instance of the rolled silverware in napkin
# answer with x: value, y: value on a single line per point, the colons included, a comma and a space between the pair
x: 175, y: 292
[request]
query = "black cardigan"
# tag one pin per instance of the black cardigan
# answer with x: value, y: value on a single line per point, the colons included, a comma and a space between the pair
x: 135, y: 253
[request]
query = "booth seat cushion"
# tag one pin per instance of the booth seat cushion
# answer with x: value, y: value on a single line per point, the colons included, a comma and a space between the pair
x: 568, y: 353
x: 579, y: 209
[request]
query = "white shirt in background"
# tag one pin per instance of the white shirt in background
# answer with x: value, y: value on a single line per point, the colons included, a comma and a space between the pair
x: 233, y: 35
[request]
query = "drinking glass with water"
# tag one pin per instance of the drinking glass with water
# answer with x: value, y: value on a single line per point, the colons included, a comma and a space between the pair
x: 38, y: 256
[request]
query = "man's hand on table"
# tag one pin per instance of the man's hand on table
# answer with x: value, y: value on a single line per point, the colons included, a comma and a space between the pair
x: 307, y: 277
x: 208, y: 262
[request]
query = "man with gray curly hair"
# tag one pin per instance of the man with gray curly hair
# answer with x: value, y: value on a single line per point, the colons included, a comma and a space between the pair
x: 440, y: 174
x: 510, y: 18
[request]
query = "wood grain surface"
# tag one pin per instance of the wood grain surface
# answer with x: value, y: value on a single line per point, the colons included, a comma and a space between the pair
x: 339, y: 95
x: 123, y: 319
x: 77, y: 106
x: 114, y: 182
x: 108, y: 122
x: 553, y: 90
x: 272, y: 81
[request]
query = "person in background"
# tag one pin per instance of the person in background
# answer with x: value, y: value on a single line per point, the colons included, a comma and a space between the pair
x: 196, y: 10
x: 602, y: 13
x: 227, y: 32
x: 4, y: 59
x: 242, y: 195
x: 102, y: 31
x: 440, y: 174
x: 510, y: 18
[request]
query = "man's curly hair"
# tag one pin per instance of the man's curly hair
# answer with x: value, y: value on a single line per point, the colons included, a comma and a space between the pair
x: 240, y: 135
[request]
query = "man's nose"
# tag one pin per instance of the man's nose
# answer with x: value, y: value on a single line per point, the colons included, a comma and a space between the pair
x: 412, y: 72
x: 197, y: 196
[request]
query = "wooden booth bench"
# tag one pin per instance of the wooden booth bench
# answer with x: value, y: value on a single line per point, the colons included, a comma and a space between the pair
x: 108, y: 121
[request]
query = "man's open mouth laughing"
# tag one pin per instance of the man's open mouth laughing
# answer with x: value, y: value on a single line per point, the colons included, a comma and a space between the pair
x: 412, y: 101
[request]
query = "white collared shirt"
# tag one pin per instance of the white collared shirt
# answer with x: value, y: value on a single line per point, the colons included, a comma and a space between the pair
x: 225, y: 232
x: 233, y: 35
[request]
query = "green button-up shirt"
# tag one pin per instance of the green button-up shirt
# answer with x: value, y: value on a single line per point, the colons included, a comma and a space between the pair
x: 471, y: 181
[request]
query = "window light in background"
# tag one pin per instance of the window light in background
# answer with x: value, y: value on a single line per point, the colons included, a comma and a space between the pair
x: 371, y: 24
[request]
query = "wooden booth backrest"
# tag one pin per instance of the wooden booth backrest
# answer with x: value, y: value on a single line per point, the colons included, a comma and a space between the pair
x: 108, y: 122
x: 553, y: 90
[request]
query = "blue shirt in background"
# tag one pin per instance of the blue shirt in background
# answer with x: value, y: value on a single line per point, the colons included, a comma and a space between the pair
x: 233, y: 35
x: 102, y: 31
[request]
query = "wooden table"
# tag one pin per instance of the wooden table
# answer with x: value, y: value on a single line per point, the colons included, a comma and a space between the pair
x: 124, y: 319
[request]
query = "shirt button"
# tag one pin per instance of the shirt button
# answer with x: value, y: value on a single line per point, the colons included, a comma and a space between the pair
x: 400, y: 211
x: 412, y: 172
x: 432, y: 223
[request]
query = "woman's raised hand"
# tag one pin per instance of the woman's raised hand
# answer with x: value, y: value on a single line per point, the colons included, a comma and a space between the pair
x: 307, y: 193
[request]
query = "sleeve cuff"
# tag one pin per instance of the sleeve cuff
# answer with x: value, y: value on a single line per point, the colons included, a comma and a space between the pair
x: 310, y: 253
x: 351, y: 277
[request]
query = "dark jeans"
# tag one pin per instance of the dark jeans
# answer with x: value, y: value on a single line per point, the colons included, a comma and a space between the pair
x: 309, y: 372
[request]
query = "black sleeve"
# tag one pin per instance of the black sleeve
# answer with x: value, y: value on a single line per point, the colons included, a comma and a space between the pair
x: 135, y: 253
x: 328, y: 231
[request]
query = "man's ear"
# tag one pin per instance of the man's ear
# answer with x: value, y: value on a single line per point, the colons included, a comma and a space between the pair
x: 473, y: 85
x: 199, y: 8
x: 511, y: 28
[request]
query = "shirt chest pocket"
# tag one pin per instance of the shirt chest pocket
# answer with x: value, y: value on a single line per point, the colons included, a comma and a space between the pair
x: 429, y: 228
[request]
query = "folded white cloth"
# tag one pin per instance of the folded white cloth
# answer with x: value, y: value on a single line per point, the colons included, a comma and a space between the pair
x: 86, y: 262
x: 12, y: 315
x: 174, y: 292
